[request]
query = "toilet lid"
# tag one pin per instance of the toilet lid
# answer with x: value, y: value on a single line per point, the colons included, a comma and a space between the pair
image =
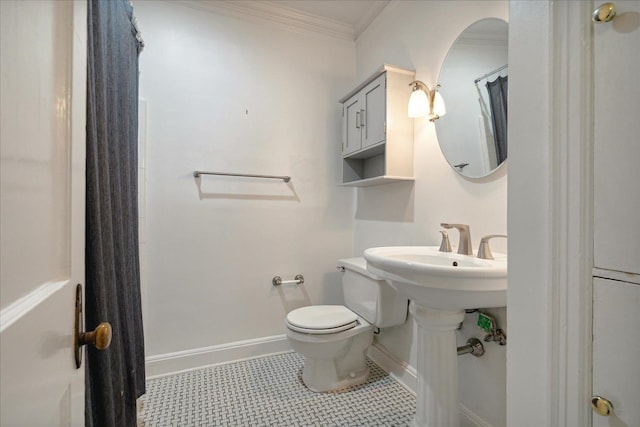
x: 322, y: 319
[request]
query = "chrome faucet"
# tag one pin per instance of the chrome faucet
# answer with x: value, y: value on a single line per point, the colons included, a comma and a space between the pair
x: 464, y: 244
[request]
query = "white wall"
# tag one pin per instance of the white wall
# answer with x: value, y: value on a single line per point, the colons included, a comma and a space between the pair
x: 418, y: 35
x: 231, y: 95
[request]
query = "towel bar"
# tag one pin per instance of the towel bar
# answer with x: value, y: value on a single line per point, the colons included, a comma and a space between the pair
x: 197, y: 174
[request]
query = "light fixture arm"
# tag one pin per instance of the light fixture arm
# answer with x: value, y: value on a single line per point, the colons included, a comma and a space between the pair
x: 417, y: 84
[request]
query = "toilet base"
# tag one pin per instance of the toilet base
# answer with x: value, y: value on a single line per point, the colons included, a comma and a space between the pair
x: 322, y: 386
x: 334, y: 361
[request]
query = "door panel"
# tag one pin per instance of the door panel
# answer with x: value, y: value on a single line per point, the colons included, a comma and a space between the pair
x: 374, y: 100
x: 43, y: 75
x: 617, y: 140
x: 37, y: 360
x: 616, y: 350
x: 352, y: 132
x: 35, y: 163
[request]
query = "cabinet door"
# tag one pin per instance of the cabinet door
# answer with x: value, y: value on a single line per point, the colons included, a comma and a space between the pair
x: 374, y: 114
x: 616, y: 350
x: 617, y: 142
x: 351, y: 130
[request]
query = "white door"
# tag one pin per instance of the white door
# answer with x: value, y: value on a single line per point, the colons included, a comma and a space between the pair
x: 43, y: 74
x: 616, y: 303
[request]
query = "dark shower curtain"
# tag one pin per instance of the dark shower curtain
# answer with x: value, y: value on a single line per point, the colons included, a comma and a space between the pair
x: 115, y: 377
x: 498, y: 100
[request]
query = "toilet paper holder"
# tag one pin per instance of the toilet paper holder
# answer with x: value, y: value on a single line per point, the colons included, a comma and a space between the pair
x: 298, y: 280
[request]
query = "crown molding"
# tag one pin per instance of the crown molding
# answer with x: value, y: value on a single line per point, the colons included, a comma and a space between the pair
x: 268, y: 11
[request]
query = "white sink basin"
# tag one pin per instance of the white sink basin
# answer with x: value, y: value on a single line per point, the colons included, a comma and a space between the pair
x: 441, y: 280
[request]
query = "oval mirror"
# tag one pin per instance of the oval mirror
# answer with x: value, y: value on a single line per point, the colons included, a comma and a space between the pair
x: 473, y: 84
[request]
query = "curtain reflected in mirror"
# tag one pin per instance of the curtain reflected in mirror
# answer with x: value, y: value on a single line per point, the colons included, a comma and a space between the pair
x: 498, y: 100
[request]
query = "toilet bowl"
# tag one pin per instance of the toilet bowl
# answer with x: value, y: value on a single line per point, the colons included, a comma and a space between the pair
x: 334, y: 339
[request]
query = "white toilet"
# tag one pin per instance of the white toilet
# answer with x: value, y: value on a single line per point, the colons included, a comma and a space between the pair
x: 334, y: 339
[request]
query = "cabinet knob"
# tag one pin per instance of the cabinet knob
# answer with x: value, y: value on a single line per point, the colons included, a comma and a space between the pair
x: 604, y: 13
x: 601, y: 405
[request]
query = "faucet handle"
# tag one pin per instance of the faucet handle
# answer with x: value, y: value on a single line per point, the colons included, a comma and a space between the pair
x: 484, y: 251
x: 445, y: 245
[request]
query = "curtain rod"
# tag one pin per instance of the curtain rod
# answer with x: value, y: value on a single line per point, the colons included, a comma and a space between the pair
x: 493, y: 72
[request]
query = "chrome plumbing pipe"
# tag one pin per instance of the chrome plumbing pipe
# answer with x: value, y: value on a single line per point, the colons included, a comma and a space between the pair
x: 473, y: 346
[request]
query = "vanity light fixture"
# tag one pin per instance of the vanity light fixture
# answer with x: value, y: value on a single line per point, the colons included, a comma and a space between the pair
x: 425, y: 102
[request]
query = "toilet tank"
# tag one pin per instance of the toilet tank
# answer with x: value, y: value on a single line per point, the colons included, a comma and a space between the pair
x: 370, y: 296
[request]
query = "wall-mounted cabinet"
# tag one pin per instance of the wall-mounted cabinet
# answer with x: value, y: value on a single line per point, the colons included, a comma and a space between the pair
x: 377, y: 134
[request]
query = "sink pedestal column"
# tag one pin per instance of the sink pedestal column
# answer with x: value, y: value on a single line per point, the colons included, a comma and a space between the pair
x: 437, y: 388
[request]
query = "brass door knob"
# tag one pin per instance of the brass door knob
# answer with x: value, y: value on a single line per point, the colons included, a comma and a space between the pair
x: 601, y: 405
x: 100, y: 337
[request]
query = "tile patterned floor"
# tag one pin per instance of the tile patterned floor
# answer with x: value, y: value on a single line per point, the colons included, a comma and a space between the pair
x: 268, y: 391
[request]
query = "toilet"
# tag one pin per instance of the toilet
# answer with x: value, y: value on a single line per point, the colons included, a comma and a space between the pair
x: 334, y: 339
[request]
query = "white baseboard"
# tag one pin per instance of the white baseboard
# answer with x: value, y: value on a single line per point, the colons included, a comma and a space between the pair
x: 398, y: 369
x: 472, y: 419
x: 407, y: 376
x: 186, y: 360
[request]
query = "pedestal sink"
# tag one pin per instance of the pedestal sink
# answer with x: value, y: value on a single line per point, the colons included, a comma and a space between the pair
x: 441, y: 285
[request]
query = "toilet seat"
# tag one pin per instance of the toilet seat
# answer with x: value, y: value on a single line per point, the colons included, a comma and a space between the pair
x: 322, y: 319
